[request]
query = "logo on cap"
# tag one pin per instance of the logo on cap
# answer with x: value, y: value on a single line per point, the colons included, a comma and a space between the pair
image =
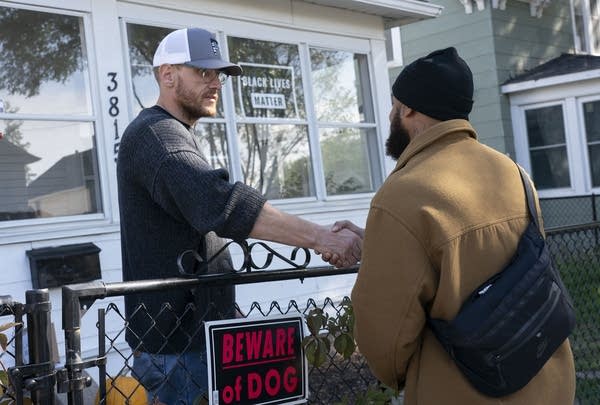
x: 215, y: 46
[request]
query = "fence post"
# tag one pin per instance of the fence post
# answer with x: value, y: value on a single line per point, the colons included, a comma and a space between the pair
x: 38, y: 337
x: 101, y: 354
x: 76, y: 299
x: 72, y: 327
x: 595, y: 218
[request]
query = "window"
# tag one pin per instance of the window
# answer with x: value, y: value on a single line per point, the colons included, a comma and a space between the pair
x: 347, y: 131
x: 586, y: 25
x: 559, y: 142
x: 301, y: 125
x: 48, y: 157
x: 142, y: 42
x: 272, y: 130
x: 591, y: 114
x: 547, y: 147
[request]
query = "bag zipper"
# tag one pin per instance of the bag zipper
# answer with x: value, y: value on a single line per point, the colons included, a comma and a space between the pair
x: 545, y: 311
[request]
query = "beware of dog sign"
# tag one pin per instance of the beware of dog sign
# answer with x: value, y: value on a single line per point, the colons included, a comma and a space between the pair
x: 256, y: 361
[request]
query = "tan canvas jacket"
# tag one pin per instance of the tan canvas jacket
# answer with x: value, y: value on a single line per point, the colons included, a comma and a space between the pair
x: 447, y: 218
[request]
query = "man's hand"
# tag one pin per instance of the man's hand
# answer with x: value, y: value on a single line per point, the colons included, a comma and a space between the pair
x: 341, y: 249
x: 339, y: 225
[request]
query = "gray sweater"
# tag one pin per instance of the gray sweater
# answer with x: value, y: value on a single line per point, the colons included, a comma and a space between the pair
x: 172, y: 200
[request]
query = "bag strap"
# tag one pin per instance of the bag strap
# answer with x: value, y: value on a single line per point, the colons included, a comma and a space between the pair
x: 530, y: 198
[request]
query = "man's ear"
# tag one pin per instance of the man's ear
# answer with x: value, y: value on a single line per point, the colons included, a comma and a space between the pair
x: 167, y: 75
x: 406, y: 111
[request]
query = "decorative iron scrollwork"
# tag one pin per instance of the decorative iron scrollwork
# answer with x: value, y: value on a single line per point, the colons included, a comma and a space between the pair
x: 249, y: 263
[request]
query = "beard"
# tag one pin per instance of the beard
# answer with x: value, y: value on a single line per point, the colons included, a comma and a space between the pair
x: 398, y: 139
x: 191, y: 102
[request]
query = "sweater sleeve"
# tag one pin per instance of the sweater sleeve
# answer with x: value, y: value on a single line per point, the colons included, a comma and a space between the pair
x: 389, y: 297
x: 189, y: 189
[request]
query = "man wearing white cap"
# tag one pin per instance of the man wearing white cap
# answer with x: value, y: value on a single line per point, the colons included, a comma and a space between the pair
x: 171, y: 200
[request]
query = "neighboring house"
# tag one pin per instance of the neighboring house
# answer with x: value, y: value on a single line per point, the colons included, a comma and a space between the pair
x: 13, y: 176
x: 537, y: 82
x: 306, y: 125
x: 555, y: 111
x: 67, y: 187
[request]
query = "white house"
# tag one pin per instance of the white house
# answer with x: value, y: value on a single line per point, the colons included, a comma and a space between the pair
x: 306, y: 125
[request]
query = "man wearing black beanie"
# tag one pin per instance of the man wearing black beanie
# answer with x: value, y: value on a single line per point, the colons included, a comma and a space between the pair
x: 439, y: 85
x: 448, y: 217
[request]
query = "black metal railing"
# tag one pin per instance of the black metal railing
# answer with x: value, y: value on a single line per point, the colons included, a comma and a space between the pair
x: 111, y: 344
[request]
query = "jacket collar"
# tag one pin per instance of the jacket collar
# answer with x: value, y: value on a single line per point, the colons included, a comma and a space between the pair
x: 432, y: 135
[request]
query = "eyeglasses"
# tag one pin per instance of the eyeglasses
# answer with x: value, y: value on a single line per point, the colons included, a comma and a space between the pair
x: 209, y: 75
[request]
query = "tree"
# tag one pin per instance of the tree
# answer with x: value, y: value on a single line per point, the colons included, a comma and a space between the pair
x: 51, y: 51
x: 12, y: 131
x: 143, y: 41
x: 267, y: 148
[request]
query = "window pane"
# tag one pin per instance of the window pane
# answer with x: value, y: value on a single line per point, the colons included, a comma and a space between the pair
x: 341, y: 86
x: 275, y: 160
x: 545, y: 126
x: 595, y: 22
x: 347, y: 156
x: 43, y: 68
x: 47, y: 169
x: 596, y: 35
x: 143, y: 41
x: 213, y: 143
x: 550, y: 168
x: 591, y: 116
x: 595, y: 164
x: 271, y: 85
x: 546, y: 134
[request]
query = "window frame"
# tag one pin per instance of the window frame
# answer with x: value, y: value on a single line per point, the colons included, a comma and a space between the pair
x: 288, y: 36
x: 523, y: 148
x: 59, y: 226
x: 571, y: 94
x: 585, y: 155
x: 378, y: 177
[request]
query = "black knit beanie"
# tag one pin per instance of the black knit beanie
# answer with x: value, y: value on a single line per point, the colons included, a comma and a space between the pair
x: 439, y: 85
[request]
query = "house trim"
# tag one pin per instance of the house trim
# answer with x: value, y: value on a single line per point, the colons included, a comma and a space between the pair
x: 550, y: 81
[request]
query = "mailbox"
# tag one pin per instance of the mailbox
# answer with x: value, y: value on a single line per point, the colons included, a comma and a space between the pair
x: 60, y: 265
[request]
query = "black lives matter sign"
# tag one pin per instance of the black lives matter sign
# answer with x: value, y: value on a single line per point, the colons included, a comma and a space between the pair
x: 256, y: 361
x: 267, y: 91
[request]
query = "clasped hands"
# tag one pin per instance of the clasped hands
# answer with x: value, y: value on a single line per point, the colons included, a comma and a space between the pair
x: 340, y: 244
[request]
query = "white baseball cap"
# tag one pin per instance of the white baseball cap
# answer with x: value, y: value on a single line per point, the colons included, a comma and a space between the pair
x: 193, y: 47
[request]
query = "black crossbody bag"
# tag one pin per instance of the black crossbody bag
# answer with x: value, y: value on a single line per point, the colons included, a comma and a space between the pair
x: 512, y: 324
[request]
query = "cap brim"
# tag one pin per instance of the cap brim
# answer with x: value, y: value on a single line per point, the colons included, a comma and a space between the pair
x: 230, y: 68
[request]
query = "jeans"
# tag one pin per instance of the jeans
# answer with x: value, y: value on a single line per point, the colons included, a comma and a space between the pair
x: 172, y: 379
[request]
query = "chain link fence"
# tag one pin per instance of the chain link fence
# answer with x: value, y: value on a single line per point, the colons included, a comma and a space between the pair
x: 570, y: 211
x: 335, y: 379
x: 576, y: 254
x: 337, y: 373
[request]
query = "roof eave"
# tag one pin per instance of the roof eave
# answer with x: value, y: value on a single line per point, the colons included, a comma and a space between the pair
x: 550, y: 81
x: 394, y: 12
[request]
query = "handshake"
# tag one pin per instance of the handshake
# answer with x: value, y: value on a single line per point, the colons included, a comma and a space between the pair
x: 341, y: 244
